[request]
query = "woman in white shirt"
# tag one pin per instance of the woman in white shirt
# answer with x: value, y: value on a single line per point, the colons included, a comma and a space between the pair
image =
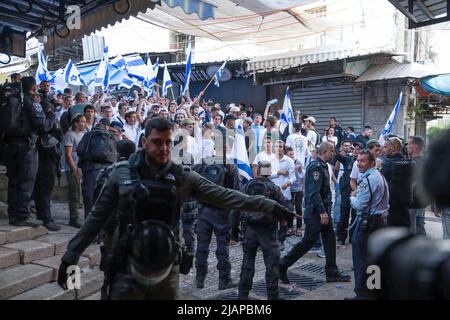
x: 330, y: 137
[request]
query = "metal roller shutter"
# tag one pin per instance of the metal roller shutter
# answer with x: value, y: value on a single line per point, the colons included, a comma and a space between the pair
x: 330, y: 98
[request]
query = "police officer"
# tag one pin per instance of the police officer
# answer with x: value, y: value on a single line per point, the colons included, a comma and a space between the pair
x: 260, y: 231
x: 371, y: 202
x: 21, y: 154
x: 49, y: 150
x: 91, y: 167
x: 148, y: 192
x: 215, y: 219
x: 346, y: 159
x: 317, y: 217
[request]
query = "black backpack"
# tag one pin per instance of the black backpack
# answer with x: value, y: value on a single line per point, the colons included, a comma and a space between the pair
x: 260, y: 187
x: 97, y: 145
x: 11, y: 110
x: 400, y: 191
x: 215, y: 173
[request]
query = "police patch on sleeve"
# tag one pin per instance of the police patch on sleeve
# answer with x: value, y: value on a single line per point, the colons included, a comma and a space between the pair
x: 362, y: 187
x: 37, y: 106
x: 316, y: 175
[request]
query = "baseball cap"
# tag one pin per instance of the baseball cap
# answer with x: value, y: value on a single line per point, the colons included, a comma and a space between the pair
x: 248, y: 119
x: 312, y: 119
x: 187, y: 121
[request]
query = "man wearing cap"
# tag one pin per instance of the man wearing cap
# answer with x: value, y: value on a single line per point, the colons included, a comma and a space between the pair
x: 117, y: 129
x: 188, y: 126
x: 311, y: 133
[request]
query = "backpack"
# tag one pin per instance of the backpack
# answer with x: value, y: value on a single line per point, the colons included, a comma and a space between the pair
x: 319, y: 139
x: 401, y: 191
x: 11, y: 110
x: 215, y: 173
x: 260, y: 187
x: 97, y: 145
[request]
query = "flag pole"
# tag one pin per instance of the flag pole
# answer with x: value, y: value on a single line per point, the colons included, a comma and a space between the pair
x: 210, y: 81
x: 173, y: 96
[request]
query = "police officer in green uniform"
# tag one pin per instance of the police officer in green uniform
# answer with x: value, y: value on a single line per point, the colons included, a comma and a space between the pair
x: 317, y: 217
x: 148, y: 192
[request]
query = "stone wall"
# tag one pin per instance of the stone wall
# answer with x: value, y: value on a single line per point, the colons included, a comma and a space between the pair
x: 380, y: 98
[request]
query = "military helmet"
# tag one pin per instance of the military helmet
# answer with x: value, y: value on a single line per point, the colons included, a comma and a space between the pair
x: 153, y: 251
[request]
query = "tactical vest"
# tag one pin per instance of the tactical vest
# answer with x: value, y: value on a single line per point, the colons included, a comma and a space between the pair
x: 259, y: 186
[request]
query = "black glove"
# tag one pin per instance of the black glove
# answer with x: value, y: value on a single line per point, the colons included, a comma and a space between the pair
x: 281, y: 212
x: 62, y: 275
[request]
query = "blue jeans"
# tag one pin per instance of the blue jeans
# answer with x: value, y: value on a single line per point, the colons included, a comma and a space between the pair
x: 446, y: 223
x: 337, y: 206
x: 359, y: 256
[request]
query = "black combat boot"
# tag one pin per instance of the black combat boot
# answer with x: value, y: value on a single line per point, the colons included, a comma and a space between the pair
x: 28, y: 222
x: 52, y: 226
x: 226, y: 283
x: 200, y: 282
x: 282, y: 271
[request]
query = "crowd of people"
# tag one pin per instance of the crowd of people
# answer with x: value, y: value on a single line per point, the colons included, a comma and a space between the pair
x: 337, y: 184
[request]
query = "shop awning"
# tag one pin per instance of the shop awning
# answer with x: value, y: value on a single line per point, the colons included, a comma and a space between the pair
x: 395, y: 70
x: 438, y: 84
x: 423, y: 12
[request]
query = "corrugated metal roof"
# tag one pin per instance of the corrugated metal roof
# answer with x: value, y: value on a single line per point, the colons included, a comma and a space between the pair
x: 397, y: 71
x: 423, y: 12
x: 297, y: 58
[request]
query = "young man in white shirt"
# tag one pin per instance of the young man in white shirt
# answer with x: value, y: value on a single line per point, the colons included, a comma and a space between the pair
x: 131, y: 127
x: 311, y: 134
x: 299, y: 143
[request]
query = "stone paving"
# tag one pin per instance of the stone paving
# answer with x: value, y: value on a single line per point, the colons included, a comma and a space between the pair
x: 307, y: 274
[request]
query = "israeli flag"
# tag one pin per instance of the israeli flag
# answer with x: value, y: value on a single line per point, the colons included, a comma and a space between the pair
x: 390, y: 122
x: 128, y: 82
x: 287, y: 115
x: 102, y: 74
x: 119, y: 63
x: 72, y: 75
x: 187, y: 71
x: 152, y: 74
x: 136, y: 68
x: 239, y: 154
x: 167, y: 82
x: 42, y: 72
x: 218, y: 74
x: 57, y: 80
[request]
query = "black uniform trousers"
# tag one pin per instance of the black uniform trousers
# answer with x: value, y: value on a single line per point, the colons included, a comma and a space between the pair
x: 90, y: 173
x: 346, y: 212
x: 22, y: 165
x: 43, y: 187
x: 264, y: 236
x: 212, y: 220
x: 313, y: 228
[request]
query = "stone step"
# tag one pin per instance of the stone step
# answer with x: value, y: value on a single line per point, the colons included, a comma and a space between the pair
x: 15, y: 234
x: 91, y: 282
x: 55, y: 261
x: 48, y: 291
x: 32, y: 250
x: 59, y: 240
x: 18, y: 279
x: 93, y: 254
x: 9, y: 257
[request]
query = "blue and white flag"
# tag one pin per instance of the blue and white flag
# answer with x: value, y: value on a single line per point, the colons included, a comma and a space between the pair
x: 42, y: 72
x: 390, y: 122
x: 72, y: 75
x: 102, y: 74
x: 167, y: 82
x: 128, y: 82
x: 218, y: 74
x: 152, y: 74
x: 187, y: 73
x: 119, y: 63
x: 136, y: 68
x: 287, y: 115
x: 239, y: 154
x: 57, y: 80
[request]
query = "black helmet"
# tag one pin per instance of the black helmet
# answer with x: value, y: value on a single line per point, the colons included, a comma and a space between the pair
x: 153, y: 251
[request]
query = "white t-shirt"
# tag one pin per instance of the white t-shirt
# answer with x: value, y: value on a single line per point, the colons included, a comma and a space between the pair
x: 300, y: 145
x: 355, y: 171
x: 312, y: 137
x: 208, y: 148
x: 285, y: 163
x: 333, y: 139
x: 262, y: 156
